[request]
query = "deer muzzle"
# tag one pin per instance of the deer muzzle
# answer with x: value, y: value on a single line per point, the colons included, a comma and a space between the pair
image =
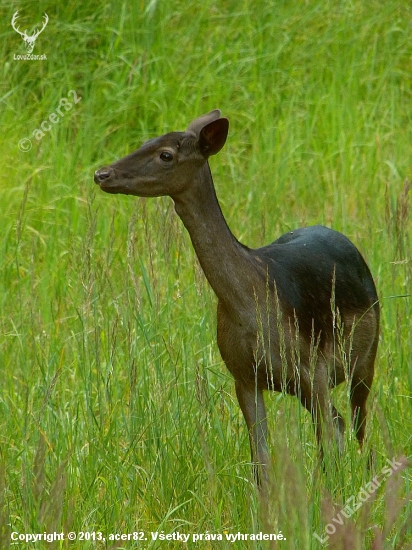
x: 105, y: 178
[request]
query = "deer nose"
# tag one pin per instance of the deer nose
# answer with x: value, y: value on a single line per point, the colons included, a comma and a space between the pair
x: 102, y: 175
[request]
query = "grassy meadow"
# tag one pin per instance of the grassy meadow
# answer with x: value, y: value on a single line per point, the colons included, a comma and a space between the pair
x: 117, y: 414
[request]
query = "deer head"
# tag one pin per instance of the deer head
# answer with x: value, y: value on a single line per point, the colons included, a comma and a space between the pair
x: 28, y: 40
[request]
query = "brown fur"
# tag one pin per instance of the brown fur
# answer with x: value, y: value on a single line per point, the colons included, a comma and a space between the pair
x: 300, y: 315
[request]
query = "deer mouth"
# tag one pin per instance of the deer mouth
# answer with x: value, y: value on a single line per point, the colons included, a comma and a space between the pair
x: 106, y: 179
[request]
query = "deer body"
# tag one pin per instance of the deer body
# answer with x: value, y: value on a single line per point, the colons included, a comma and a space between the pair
x: 300, y: 315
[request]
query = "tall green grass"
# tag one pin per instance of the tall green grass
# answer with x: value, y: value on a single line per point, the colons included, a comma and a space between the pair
x: 116, y: 412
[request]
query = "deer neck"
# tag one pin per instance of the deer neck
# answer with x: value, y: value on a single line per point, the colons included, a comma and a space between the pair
x: 227, y: 264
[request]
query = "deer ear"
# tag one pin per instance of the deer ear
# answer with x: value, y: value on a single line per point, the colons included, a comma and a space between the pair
x: 196, y: 125
x: 213, y: 136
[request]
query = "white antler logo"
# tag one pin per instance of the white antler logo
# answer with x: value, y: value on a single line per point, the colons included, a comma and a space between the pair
x: 29, y: 40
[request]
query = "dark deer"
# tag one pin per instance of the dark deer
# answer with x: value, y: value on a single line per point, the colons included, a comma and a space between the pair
x: 300, y: 315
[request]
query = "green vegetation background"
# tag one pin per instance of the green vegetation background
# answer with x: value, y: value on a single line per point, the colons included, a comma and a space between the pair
x: 116, y: 412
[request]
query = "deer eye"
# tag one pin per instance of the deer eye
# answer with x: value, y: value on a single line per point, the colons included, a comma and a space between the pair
x: 166, y: 156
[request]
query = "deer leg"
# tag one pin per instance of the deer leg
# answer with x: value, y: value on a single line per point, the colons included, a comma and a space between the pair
x: 251, y: 402
x: 359, y: 394
x: 326, y: 418
x: 339, y: 428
